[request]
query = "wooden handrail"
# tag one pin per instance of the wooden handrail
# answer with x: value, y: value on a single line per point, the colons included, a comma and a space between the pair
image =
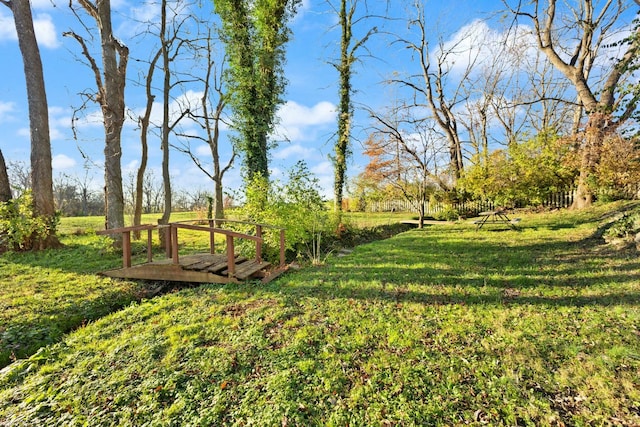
x: 215, y: 230
x: 126, y: 241
x: 172, y: 241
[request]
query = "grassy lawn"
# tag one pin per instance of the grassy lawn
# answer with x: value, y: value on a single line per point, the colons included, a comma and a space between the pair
x: 440, y: 326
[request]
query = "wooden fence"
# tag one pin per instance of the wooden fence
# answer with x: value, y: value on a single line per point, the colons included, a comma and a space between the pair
x: 562, y: 199
x: 429, y: 208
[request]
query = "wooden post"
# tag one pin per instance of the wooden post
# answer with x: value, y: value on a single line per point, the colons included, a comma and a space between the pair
x: 174, y: 243
x: 126, y: 249
x: 149, y: 244
x: 231, y: 258
x: 212, y: 239
x: 167, y: 240
x: 282, y: 248
x: 259, y: 243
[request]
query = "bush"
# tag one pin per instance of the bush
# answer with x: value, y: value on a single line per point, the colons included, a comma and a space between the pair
x: 624, y: 227
x: 296, y: 206
x: 449, y: 213
x: 19, y: 227
x: 524, y: 174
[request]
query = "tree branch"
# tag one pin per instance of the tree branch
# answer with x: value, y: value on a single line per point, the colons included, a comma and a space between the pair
x: 92, y: 62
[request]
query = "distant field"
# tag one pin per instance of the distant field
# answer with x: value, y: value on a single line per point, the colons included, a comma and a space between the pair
x: 69, y: 225
x: 441, y: 326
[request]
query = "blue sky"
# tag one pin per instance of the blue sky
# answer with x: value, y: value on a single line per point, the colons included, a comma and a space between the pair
x: 308, y: 117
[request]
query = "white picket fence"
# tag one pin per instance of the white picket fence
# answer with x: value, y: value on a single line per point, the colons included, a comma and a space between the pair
x: 562, y: 199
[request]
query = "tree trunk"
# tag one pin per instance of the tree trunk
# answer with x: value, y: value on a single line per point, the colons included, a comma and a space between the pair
x: 594, y: 135
x: 5, y: 186
x: 41, y: 169
x: 144, y: 131
x: 218, y: 202
x: 114, y: 59
x: 166, y: 128
x: 344, y: 113
x: 139, y: 190
x: 110, y: 84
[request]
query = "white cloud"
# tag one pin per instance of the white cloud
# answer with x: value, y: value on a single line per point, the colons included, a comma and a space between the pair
x: 45, y: 29
x: 7, y: 27
x: 146, y: 12
x: 295, y: 151
x: 324, y: 172
x: 130, y: 168
x: 55, y: 134
x: 91, y: 119
x: 303, y: 8
x: 6, y: 108
x: 294, y: 114
x: 59, y: 122
x: 62, y: 161
x: 323, y: 168
x: 43, y: 25
x: 190, y: 99
x: 203, y: 150
x: 276, y: 173
x: 296, y: 120
x: 476, y: 44
x: 143, y: 16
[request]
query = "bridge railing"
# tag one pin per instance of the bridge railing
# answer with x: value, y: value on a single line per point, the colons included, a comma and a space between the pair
x: 212, y: 226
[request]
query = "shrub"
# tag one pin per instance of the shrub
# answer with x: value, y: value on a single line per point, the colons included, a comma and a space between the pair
x: 524, y: 174
x: 19, y: 226
x: 624, y: 227
x: 296, y: 206
x: 448, y: 213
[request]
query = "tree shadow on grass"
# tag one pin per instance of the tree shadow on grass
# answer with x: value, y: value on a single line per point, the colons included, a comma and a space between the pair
x: 464, y: 271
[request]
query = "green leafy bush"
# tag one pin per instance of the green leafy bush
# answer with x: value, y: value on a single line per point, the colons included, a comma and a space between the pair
x: 448, y: 213
x: 626, y: 226
x: 296, y: 206
x: 19, y: 226
x: 524, y: 174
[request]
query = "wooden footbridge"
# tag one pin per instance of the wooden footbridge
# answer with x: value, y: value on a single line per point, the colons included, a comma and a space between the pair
x: 212, y: 267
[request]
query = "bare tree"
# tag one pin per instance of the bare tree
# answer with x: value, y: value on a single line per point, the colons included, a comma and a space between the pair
x: 430, y: 84
x: 516, y: 88
x: 209, y: 116
x: 573, y: 46
x: 110, y: 83
x: 170, y: 48
x: 41, y: 169
x: 407, y: 154
x: 145, y: 122
x: 19, y: 177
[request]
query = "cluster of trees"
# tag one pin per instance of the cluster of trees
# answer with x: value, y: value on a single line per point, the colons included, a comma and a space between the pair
x: 542, y: 106
x: 549, y: 105
x: 77, y: 196
x: 249, y: 78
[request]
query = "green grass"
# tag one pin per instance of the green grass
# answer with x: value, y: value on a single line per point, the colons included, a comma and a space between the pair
x: 440, y: 326
x: 44, y: 295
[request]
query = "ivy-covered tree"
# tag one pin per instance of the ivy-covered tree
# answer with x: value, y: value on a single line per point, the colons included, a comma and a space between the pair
x: 350, y: 46
x: 255, y: 33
